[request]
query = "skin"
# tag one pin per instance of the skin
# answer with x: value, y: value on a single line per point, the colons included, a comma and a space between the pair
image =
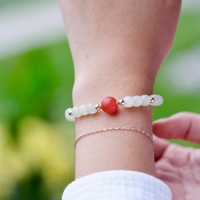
x: 177, y: 166
x: 117, y: 49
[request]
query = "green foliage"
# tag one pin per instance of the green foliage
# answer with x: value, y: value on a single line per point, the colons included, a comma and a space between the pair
x: 35, y: 83
x: 29, y: 189
x: 187, y: 35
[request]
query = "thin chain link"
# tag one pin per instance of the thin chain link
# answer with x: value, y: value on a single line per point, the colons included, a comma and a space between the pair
x: 115, y: 129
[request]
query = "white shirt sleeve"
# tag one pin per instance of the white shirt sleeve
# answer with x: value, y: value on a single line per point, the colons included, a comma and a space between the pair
x: 117, y: 185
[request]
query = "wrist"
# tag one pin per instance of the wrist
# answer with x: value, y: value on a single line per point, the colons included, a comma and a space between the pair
x: 94, y: 88
x: 119, y: 148
x: 93, y: 83
x: 118, y: 73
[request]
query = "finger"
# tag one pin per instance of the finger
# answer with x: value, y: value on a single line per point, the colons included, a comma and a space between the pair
x: 160, y: 147
x: 182, y: 125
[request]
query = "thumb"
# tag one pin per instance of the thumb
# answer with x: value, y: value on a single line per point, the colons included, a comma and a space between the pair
x: 183, y: 125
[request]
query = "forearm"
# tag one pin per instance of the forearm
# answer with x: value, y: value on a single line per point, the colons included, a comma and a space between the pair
x: 110, y: 31
x: 117, y: 51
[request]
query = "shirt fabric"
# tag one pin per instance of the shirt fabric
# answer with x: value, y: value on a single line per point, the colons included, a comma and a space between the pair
x: 117, y: 185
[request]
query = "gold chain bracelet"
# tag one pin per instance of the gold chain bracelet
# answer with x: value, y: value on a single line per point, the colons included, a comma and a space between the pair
x: 115, y: 129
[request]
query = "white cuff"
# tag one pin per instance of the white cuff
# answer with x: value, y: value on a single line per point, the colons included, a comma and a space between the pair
x: 117, y: 185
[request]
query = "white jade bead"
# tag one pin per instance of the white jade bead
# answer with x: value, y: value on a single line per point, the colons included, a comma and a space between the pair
x: 83, y: 110
x: 145, y: 100
x: 158, y: 100
x: 128, y: 101
x: 137, y: 101
x: 91, y: 108
x: 69, y: 117
x: 75, y: 111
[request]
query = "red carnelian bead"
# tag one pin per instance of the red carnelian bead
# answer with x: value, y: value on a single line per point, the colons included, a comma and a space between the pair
x: 109, y: 105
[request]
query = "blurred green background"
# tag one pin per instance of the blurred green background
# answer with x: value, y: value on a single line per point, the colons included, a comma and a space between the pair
x: 36, y: 142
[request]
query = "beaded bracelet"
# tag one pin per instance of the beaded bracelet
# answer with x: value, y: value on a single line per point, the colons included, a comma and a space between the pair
x: 110, y: 105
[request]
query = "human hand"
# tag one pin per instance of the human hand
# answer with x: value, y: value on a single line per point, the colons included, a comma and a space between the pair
x: 177, y: 166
